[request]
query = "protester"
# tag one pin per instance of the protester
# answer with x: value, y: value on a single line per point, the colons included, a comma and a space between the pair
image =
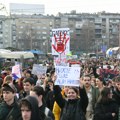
x: 8, y: 70
x: 49, y: 98
x: 8, y: 79
x: 93, y: 94
x: 29, y: 108
x: 100, y: 83
x: 28, y: 74
x: 56, y: 108
x: 116, y: 94
x: 66, y: 107
x: 28, y: 84
x: 38, y: 92
x: 73, y: 108
x: 9, y: 109
x: 106, y: 108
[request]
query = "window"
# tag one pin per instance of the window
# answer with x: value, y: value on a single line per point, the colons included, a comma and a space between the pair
x: 0, y: 26
x: 44, y: 32
x: 14, y: 37
x: 44, y: 37
x: 44, y: 28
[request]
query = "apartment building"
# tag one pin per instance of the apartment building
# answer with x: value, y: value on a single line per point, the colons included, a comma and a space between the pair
x: 91, y: 32
x: 88, y: 32
x: 33, y: 32
x: 5, y: 32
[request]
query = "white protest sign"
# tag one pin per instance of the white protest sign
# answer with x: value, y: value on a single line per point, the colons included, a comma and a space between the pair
x: 60, y: 61
x: 16, y: 71
x: 60, y: 41
x: 38, y: 69
x: 68, y: 76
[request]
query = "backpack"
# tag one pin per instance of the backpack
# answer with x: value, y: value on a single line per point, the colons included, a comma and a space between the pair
x: 44, y: 115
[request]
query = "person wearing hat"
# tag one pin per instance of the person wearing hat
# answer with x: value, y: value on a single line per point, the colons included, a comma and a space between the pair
x: 9, y: 109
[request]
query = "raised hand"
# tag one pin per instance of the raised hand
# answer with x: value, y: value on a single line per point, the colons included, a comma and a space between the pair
x: 54, y: 78
x: 81, y: 83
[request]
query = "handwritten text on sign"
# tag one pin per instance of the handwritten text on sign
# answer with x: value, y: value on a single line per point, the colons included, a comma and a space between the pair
x: 68, y: 76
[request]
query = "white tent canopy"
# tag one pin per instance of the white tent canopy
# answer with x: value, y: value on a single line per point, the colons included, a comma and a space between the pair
x: 16, y: 55
x: 107, y: 52
x: 112, y: 50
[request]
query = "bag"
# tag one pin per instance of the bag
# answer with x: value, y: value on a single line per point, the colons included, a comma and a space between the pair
x: 9, y: 116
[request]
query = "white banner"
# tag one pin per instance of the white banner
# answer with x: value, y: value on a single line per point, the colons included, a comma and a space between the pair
x: 61, y: 60
x: 60, y: 41
x: 68, y: 76
x: 38, y: 69
x: 16, y: 71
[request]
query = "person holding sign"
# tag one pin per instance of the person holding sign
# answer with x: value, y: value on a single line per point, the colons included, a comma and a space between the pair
x: 74, y: 108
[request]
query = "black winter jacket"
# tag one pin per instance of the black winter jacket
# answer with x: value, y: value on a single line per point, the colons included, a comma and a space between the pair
x: 103, y: 111
x: 116, y: 96
x: 9, y: 112
x: 72, y: 109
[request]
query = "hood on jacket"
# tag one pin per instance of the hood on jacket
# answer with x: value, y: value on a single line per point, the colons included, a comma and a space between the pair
x: 34, y: 107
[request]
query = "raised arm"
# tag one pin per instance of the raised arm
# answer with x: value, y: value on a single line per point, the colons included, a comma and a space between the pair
x: 58, y: 96
x: 83, y: 97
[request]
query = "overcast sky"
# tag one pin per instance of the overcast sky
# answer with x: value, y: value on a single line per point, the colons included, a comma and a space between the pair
x: 55, y: 6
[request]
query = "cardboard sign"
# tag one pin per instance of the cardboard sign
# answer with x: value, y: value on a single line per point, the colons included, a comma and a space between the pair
x: 68, y: 76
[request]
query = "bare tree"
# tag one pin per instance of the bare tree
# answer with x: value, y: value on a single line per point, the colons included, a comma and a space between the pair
x: 88, y: 31
x: 27, y: 39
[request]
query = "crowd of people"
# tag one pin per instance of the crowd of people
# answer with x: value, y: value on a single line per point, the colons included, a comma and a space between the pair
x: 34, y: 97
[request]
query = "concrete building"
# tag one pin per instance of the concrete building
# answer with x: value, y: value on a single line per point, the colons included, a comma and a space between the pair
x: 26, y: 32
x: 89, y: 32
x: 33, y: 32
x: 5, y: 32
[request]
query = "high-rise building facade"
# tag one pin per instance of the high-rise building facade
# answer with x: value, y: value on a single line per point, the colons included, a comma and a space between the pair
x: 92, y: 32
x: 88, y: 32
